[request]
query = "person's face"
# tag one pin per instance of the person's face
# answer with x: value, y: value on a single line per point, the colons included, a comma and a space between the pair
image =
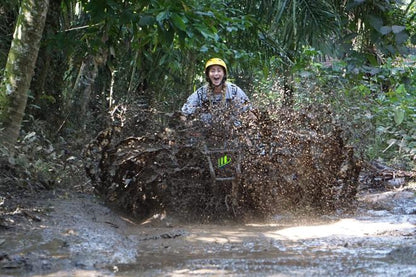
x: 216, y: 74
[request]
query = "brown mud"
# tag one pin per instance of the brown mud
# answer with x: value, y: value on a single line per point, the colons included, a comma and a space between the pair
x: 64, y: 233
x: 300, y: 210
x: 284, y: 159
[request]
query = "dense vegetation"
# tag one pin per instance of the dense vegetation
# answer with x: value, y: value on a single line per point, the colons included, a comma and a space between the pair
x: 354, y: 56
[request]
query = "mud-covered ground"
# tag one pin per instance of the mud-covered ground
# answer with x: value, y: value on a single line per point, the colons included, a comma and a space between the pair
x: 62, y: 233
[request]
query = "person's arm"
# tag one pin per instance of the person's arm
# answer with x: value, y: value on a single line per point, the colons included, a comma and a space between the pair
x: 242, y: 97
x: 236, y: 94
x: 191, y: 104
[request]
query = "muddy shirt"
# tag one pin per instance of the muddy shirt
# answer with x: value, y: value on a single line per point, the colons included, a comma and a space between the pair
x: 200, y: 97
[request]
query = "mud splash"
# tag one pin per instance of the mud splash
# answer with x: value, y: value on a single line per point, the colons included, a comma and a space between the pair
x: 282, y: 159
x: 75, y: 235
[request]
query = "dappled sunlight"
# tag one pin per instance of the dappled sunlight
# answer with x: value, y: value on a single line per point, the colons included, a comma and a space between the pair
x: 223, y: 236
x: 345, y: 227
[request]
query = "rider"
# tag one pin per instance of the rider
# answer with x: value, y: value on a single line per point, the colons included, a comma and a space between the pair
x: 216, y: 92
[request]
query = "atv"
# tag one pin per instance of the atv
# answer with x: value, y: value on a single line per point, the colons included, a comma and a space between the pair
x: 217, y: 141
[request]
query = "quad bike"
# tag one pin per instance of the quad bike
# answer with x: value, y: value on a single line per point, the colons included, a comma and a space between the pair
x: 225, y: 168
x: 221, y: 150
x: 209, y: 169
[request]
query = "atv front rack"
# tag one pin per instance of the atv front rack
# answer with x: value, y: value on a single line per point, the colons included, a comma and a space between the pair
x: 237, y: 164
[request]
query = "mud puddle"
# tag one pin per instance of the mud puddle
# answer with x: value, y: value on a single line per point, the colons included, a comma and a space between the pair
x: 75, y: 235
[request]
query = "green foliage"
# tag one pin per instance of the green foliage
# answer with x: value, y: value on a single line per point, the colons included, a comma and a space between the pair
x: 376, y: 105
x: 161, y: 45
x: 410, y: 13
x: 157, y: 49
x: 374, y: 29
x: 8, y: 13
x: 396, y: 110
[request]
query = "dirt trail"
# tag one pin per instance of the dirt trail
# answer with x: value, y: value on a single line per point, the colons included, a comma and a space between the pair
x: 70, y: 234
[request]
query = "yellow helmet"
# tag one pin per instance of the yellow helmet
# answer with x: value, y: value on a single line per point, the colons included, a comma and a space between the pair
x: 216, y: 61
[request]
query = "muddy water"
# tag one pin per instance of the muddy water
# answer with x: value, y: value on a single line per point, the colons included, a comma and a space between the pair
x: 78, y: 236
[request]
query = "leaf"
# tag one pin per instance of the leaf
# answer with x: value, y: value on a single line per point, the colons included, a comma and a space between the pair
x: 391, y: 49
x: 265, y: 70
x: 209, y: 14
x: 178, y: 22
x: 401, y: 90
x: 162, y: 16
x: 204, y: 49
x: 401, y: 37
x: 189, y: 33
x: 354, y: 4
x: 372, y: 60
x: 376, y: 22
x: 397, y: 29
x: 385, y: 30
x: 185, y: 7
x: 399, y: 115
x: 204, y: 31
x: 30, y: 137
x: 146, y: 20
x: 168, y: 36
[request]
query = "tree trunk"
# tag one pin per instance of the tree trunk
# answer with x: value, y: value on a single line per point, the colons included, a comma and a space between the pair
x: 44, y: 70
x: 82, y: 90
x: 20, y: 67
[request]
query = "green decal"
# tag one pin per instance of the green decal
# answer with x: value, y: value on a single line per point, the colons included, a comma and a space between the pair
x: 223, y: 161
